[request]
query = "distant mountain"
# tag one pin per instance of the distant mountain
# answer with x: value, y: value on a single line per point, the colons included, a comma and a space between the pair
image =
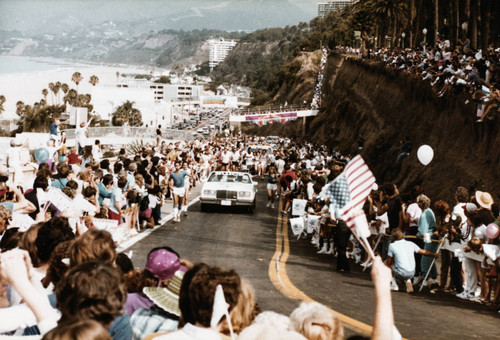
x: 133, y: 17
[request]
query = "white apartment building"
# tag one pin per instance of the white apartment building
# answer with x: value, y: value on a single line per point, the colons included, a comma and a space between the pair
x: 219, y: 49
x: 167, y: 92
x: 332, y: 5
x: 160, y: 104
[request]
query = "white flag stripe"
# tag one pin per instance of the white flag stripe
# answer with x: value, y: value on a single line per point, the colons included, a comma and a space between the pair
x: 361, y: 176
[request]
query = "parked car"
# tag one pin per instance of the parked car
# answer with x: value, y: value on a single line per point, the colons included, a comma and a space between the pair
x: 229, y: 188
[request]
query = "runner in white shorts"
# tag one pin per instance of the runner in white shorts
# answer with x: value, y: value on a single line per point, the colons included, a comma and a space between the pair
x: 176, y: 183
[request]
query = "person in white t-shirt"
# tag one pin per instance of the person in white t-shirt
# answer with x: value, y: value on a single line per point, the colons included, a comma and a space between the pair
x: 226, y: 159
x: 401, y: 255
x: 97, y: 151
x: 81, y: 136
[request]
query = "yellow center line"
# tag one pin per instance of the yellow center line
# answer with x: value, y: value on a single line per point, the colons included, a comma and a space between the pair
x: 279, y: 278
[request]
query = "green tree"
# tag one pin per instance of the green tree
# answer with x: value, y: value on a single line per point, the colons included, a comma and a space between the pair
x: 71, y: 97
x: 126, y: 113
x: 2, y: 101
x: 163, y: 80
x: 389, y: 13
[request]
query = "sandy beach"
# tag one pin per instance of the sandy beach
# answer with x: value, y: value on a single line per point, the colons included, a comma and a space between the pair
x: 26, y: 83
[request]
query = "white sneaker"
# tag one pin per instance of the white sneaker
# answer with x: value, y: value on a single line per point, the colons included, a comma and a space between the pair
x: 463, y: 295
x: 323, y: 250
x: 272, y: 205
x: 268, y: 204
x: 394, y: 285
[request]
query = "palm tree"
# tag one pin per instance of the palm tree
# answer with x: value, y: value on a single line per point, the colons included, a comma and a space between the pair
x: 94, y: 80
x: 65, y: 88
x: 76, y: 78
x: 51, y: 88
x: 389, y: 14
x: 57, y: 87
x: 19, y: 108
x: 45, y: 92
x: 436, y: 20
x: 2, y: 101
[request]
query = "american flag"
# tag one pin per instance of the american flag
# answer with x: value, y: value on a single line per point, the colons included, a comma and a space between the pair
x: 348, y: 192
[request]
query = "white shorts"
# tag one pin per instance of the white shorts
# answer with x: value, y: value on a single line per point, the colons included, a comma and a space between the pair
x: 179, y: 191
x: 271, y: 186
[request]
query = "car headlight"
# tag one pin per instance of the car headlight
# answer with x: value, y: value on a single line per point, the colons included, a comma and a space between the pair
x: 209, y: 193
x: 244, y: 194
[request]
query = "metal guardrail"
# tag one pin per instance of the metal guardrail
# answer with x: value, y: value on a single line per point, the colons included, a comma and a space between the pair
x: 131, y: 132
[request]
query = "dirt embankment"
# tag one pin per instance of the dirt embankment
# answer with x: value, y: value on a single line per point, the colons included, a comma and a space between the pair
x: 384, y: 106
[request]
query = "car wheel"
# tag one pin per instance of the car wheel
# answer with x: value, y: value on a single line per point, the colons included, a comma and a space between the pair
x: 252, y: 207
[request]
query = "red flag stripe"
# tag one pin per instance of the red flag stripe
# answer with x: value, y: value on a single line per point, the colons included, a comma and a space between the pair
x: 354, y: 165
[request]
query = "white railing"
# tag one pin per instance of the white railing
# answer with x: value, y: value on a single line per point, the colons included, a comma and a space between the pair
x: 131, y: 132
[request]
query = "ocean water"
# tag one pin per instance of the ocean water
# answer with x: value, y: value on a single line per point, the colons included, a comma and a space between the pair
x: 13, y: 65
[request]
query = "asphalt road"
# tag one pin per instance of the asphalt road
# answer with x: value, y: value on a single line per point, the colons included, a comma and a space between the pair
x: 234, y: 238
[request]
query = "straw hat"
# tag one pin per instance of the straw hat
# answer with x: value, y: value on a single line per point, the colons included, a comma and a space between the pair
x: 167, y: 298
x: 484, y: 199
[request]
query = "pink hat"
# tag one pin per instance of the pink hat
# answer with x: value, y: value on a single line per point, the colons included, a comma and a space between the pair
x: 163, y: 264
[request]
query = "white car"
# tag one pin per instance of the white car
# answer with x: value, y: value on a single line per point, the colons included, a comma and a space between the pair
x: 228, y: 188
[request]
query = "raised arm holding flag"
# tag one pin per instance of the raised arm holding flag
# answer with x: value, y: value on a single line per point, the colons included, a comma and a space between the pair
x: 348, y: 193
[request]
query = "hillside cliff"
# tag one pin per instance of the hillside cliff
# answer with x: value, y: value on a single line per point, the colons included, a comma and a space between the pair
x: 385, y: 105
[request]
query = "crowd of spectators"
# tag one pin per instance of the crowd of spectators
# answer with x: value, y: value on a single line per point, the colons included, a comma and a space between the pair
x: 462, y: 236
x: 62, y: 277
x: 61, y: 274
x: 450, y: 70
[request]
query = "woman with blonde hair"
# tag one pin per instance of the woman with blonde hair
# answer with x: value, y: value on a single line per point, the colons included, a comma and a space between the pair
x: 244, y: 312
x: 316, y: 322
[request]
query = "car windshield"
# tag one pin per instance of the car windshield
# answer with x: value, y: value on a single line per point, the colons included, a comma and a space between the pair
x: 229, y: 178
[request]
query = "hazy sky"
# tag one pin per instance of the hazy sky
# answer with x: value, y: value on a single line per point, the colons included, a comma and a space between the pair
x: 138, y: 16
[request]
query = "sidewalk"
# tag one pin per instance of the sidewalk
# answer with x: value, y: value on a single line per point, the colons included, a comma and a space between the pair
x: 167, y: 213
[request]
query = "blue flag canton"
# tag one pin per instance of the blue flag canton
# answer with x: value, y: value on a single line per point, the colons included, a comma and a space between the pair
x: 338, y: 192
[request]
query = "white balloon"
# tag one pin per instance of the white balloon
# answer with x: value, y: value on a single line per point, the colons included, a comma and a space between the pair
x: 425, y: 154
